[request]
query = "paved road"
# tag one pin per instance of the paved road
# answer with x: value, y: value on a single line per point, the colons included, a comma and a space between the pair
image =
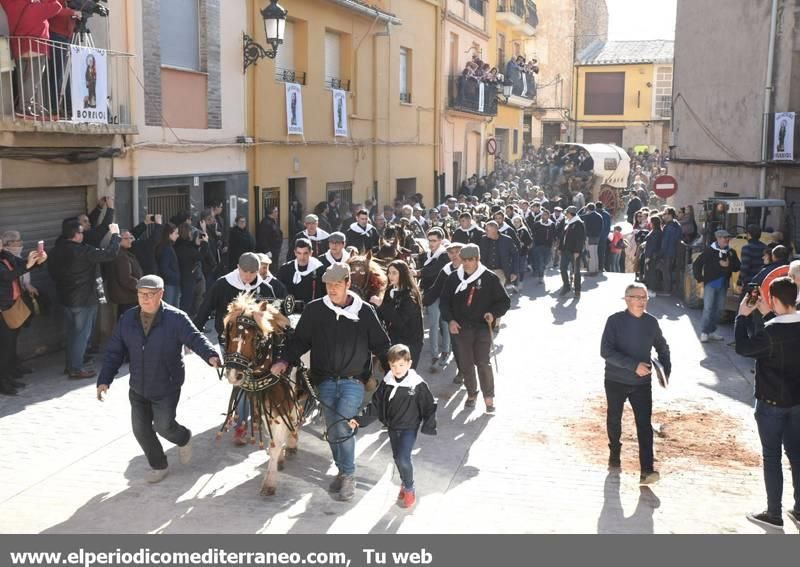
x: 72, y: 465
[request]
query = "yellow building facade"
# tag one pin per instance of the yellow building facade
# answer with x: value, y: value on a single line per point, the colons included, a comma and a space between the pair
x: 348, y: 105
x: 623, y: 94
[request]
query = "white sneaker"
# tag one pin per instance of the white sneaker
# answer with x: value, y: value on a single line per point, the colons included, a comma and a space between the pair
x: 703, y: 337
x: 185, y: 453
x: 156, y: 475
x: 716, y: 337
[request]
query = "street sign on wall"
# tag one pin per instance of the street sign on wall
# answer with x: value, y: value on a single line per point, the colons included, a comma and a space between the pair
x: 665, y: 186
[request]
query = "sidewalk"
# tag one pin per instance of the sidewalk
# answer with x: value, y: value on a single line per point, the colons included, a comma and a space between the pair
x: 538, y: 466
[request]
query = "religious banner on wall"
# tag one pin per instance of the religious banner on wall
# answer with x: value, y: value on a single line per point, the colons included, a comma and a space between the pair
x: 89, y: 84
x: 339, y: 112
x: 294, y: 109
x: 783, y: 142
x: 481, y: 96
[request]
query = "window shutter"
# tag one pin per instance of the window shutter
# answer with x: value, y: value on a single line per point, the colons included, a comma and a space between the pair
x: 180, y: 44
x: 333, y: 56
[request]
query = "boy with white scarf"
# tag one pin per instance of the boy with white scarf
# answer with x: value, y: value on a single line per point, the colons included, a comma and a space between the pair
x: 301, y: 275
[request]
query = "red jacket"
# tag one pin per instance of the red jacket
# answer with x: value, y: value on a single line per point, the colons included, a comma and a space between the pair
x: 63, y: 23
x: 28, y: 19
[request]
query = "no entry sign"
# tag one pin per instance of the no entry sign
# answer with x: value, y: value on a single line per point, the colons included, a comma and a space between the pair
x: 665, y: 186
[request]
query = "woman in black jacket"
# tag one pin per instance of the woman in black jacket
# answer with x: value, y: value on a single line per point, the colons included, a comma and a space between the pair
x: 239, y: 242
x: 11, y: 269
x: 168, y: 264
x: 400, y: 309
x: 189, y: 265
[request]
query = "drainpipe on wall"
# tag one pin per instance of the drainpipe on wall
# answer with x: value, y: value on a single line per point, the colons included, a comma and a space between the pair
x: 768, y: 91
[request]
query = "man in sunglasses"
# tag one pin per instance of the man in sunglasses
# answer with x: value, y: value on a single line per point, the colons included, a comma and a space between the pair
x: 628, y: 341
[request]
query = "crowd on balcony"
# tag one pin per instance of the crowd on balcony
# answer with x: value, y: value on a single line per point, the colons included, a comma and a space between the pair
x: 521, y: 73
x: 38, y: 33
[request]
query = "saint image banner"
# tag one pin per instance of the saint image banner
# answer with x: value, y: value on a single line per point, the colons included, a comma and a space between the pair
x: 294, y: 109
x: 783, y: 142
x: 339, y: 112
x: 89, y: 84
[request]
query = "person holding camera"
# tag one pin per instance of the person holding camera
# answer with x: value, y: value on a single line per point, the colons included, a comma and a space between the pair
x: 713, y: 268
x: 776, y: 349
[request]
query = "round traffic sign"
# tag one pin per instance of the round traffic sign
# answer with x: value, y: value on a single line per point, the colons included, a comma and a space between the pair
x: 665, y: 186
x: 491, y: 146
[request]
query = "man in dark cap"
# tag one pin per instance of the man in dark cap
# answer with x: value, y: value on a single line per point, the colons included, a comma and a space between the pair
x: 301, y: 275
x: 152, y: 337
x: 336, y: 253
x: 471, y: 300
x: 342, y: 332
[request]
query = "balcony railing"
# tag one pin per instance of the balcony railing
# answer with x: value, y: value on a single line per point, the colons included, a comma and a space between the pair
x: 470, y: 95
x: 334, y: 83
x: 516, y: 7
x: 290, y: 76
x: 532, y: 17
x: 36, y: 88
x: 405, y: 97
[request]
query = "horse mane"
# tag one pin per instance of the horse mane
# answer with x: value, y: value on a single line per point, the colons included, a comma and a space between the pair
x: 377, y: 276
x: 269, y: 319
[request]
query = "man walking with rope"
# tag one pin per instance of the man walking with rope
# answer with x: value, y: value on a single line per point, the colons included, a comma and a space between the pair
x: 342, y: 332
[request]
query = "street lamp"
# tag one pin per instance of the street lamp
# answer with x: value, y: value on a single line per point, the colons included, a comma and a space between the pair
x: 274, y: 28
x: 508, y: 90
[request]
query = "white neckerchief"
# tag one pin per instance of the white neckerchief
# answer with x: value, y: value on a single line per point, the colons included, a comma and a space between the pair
x: 392, y: 292
x: 548, y: 223
x: 574, y: 219
x: 505, y: 227
x: 331, y: 260
x: 313, y: 264
x: 465, y: 282
x: 448, y: 269
x: 469, y: 230
x: 411, y: 381
x: 439, y: 251
x: 321, y: 235
x: 349, y: 312
x: 235, y: 280
x: 355, y: 227
x: 787, y: 318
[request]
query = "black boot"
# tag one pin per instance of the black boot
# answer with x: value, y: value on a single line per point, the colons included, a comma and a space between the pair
x: 6, y: 388
x: 614, y: 459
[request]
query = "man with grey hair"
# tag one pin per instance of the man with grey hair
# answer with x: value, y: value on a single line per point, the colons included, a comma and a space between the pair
x: 627, y: 344
x: 314, y: 234
x: 152, y: 337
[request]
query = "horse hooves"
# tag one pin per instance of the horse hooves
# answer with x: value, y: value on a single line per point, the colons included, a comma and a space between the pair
x: 291, y: 451
x: 268, y: 491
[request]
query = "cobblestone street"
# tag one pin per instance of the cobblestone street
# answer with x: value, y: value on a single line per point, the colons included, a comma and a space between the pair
x: 537, y: 466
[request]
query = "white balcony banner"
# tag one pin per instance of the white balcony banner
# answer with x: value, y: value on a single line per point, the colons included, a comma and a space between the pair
x: 294, y: 109
x: 89, y: 84
x: 339, y: 112
x: 783, y: 143
x: 481, y: 96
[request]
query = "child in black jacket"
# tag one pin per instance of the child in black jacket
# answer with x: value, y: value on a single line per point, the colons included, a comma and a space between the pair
x: 402, y: 403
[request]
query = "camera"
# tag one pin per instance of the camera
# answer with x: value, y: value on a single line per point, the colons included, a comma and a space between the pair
x: 89, y: 7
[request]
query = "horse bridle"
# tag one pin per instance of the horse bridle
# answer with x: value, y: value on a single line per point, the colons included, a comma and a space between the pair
x: 239, y: 362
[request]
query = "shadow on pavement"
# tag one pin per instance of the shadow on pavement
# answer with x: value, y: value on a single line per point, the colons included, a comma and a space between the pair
x: 612, y: 518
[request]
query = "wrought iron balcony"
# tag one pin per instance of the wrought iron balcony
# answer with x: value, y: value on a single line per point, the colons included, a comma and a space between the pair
x: 290, y: 76
x: 334, y: 83
x: 469, y: 95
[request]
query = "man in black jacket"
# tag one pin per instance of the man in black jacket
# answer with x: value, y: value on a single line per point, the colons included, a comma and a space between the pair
x: 713, y: 268
x: 361, y: 233
x: 593, y: 221
x: 468, y: 232
x: 269, y: 236
x: 543, y: 233
x: 573, y: 239
x: 471, y: 300
x: 301, y: 276
x: 314, y: 234
x: 74, y: 268
x: 776, y: 349
x: 342, y: 332
x: 628, y: 341
x: 244, y: 279
x: 499, y: 253
x: 430, y: 265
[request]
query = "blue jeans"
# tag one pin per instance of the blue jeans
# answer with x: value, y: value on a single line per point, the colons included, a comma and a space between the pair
x: 779, y: 427
x: 341, y: 398
x: 402, y: 441
x: 713, y: 306
x: 149, y: 417
x: 615, y: 261
x: 172, y: 295
x: 541, y: 258
x: 78, y: 325
x: 438, y: 325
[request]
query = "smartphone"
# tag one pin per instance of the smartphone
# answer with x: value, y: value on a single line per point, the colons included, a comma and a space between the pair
x: 40, y: 246
x: 753, y: 293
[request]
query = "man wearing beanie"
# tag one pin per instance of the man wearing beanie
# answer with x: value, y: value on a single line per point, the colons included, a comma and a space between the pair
x: 244, y: 279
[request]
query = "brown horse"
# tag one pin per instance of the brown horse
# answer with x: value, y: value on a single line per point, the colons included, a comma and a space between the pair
x: 367, y: 277
x: 253, y: 331
x: 392, y: 246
